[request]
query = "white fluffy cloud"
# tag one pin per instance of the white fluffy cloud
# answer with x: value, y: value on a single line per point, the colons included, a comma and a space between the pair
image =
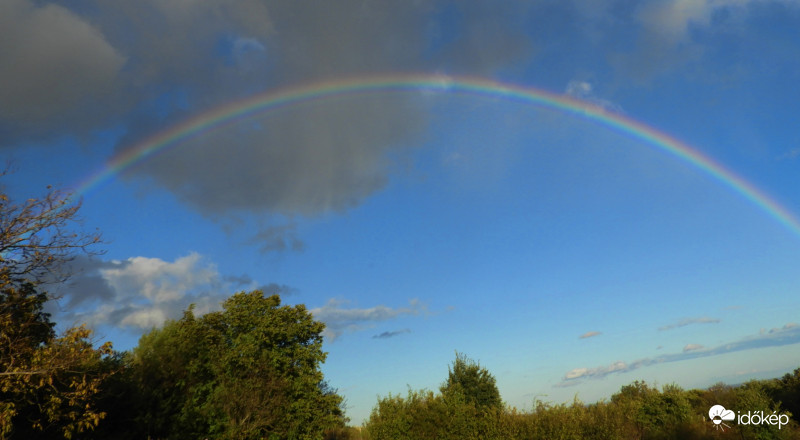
x: 142, y: 292
x: 158, y: 280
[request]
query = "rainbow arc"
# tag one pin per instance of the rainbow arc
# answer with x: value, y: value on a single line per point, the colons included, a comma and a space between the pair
x: 233, y: 112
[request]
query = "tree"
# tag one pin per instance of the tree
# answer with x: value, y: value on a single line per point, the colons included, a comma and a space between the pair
x: 37, y: 239
x: 251, y: 370
x: 473, y: 381
x: 786, y: 390
x: 469, y: 407
x: 47, y: 383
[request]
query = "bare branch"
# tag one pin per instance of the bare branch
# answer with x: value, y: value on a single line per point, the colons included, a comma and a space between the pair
x: 36, y: 237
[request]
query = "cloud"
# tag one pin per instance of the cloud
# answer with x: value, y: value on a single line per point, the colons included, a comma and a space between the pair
x: 670, y: 21
x: 583, y: 91
x: 792, y: 154
x: 148, y: 65
x: 339, y: 320
x: 277, y: 289
x: 387, y: 335
x: 589, y: 335
x: 668, y: 32
x: 142, y: 293
x: 689, y: 321
x: 578, y: 373
x: 278, y: 238
x: 788, y: 326
x: 692, y: 347
x: 54, y: 63
x: 787, y: 335
x: 159, y: 281
x: 578, y: 89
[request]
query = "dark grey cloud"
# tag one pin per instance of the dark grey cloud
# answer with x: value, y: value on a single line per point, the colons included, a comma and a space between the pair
x: 157, y: 63
x: 787, y: 335
x: 86, y: 284
x: 244, y: 281
x: 689, y: 321
x: 325, y: 156
x: 238, y: 280
x: 54, y: 63
x: 277, y: 289
x: 304, y: 161
x: 278, y: 238
x: 391, y: 334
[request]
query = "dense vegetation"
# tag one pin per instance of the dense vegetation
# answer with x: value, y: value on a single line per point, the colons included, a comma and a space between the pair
x: 252, y: 371
x: 637, y: 411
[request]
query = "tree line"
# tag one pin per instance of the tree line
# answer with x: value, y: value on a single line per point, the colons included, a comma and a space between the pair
x: 468, y: 407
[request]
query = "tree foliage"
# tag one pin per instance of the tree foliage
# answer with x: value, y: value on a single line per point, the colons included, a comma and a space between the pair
x: 251, y: 370
x: 48, y: 384
x: 477, y: 385
x: 639, y: 411
x: 786, y: 391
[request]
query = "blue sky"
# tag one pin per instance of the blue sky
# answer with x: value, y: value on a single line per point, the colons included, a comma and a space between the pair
x: 566, y: 257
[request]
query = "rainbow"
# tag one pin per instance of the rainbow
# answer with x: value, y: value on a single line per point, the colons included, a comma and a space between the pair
x: 231, y: 113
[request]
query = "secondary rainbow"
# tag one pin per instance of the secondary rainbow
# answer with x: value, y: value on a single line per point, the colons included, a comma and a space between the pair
x: 231, y: 113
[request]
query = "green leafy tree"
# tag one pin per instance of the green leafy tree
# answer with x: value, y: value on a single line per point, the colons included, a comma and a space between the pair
x: 424, y: 415
x: 477, y: 385
x: 469, y: 407
x: 250, y: 371
x: 786, y: 390
x: 752, y: 397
